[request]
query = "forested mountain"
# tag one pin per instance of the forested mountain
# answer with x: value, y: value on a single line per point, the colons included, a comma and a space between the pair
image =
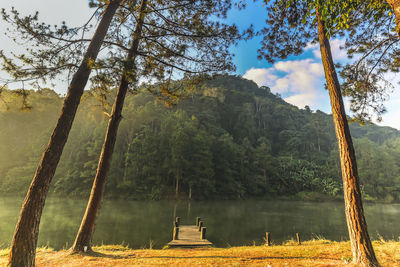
x: 229, y: 139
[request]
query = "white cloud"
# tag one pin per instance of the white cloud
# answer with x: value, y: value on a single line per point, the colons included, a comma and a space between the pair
x: 301, y: 100
x: 260, y: 76
x: 300, y: 80
x: 281, y: 85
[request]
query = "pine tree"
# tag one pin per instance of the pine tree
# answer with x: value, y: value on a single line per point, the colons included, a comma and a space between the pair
x: 291, y: 26
x: 168, y: 36
x: 23, y: 246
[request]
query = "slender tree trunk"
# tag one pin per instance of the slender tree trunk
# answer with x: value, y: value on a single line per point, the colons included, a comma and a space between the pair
x: 363, y: 252
x: 126, y: 157
x: 177, y: 185
x: 85, y: 234
x: 265, y: 176
x: 23, y: 246
x: 126, y: 161
x: 395, y: 5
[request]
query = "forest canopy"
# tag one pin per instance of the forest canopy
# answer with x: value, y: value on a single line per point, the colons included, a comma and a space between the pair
x: 228, y: 139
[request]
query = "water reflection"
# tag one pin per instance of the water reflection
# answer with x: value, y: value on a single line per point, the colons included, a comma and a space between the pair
x: 229, y: 223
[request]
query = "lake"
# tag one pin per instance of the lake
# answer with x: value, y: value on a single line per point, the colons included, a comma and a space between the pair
x: 141, y: 224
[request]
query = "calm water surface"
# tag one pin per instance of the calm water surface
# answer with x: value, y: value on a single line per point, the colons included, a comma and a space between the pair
x: 140, y: 224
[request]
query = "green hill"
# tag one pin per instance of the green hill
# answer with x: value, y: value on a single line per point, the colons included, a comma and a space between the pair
x: 229, y: 139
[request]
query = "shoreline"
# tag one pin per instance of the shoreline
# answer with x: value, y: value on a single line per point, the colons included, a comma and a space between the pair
x: 300, y: 197
x: 317, y: 252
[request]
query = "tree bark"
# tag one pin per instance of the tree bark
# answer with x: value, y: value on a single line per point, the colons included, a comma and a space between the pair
x: 85, y: 234
x: 363, y: 252
x: 23, y: 246
x: 395, y: 5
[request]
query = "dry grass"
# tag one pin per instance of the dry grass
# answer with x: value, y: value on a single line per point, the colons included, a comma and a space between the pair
x: 311, y: 253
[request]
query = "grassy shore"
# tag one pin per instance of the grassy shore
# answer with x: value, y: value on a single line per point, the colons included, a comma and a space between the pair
x: 310, y: 253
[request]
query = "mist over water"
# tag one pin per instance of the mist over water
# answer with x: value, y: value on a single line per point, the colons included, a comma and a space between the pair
x: 140, y: 224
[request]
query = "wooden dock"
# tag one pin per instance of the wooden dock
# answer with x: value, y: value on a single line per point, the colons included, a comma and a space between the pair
x: 189, y: 235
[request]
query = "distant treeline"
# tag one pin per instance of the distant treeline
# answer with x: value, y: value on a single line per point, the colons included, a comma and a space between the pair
x: 229, y: 139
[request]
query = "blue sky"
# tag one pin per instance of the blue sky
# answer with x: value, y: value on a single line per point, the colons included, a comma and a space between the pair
x: 299, y: 80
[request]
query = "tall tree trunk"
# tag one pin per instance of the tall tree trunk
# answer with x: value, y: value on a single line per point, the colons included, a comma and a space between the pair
x: 23, y: 246
x: 85, y: 234
x: 361, y: 246
x: 395, y: 5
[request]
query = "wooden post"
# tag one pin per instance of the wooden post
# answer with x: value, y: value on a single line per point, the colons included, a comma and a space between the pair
x: 200, y: 225
x: 197, y: 221
x: 203, y: 233
x: 267, y: 239
x: 177, y: 221
x: 176, y: 233
x: 298, y: 238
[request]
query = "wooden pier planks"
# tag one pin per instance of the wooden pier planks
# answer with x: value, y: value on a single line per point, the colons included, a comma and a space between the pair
x: 189, y: 236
